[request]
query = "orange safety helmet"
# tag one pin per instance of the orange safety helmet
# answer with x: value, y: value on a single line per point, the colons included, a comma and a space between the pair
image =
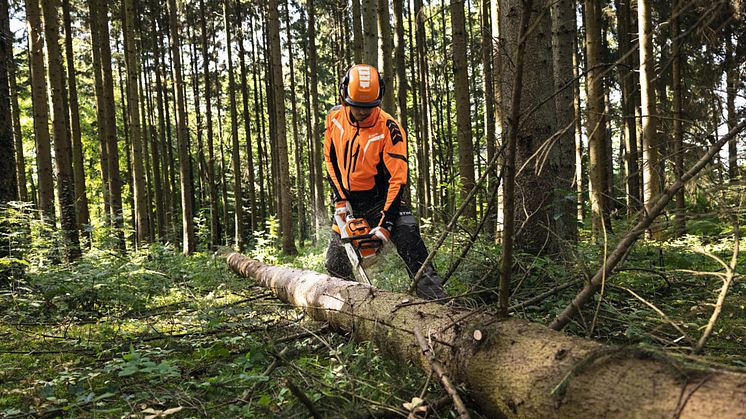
x: 362, y: 87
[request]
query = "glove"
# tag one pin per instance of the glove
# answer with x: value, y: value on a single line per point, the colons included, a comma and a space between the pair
x: 381, y: 233
x: 341, y: 210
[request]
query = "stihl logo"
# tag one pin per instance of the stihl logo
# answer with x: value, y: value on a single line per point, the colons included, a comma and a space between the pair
x: 364, y: 74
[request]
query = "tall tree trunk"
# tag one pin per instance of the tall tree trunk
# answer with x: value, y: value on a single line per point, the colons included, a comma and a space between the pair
x: 146, y: 133
x: 20, y: 161
x: 650, y: 146
x: 163, y: 215
x: 62, y: 143
x: 579, y: 161
x: 489, y: 108
x: 422, y: 206
x: 629, y: 85
x: 41, y: 112
x: 127, y: 143
x: 732, y: 82
x: 247, y: 120
x: 463, y: 112
x: 370, y: 32
x: 236, y: 153
x: 564, y: 38
x: 299, y: 176
x: 211, y: 182
x: 81, y: 201
x: 321, y: 211
x: 259, y: 121
x: 423, y: 160
x: 164, y: 127
x: 8, y: 179
x: 401, y: 81
x: 108, y: 122
x: 93, y: 23
x: 358, y: 43
x: 286, y: 217
x: 182, y: 136
x: 596, y: 116
x: 309, y: 124
x: 678, y: 127
x: 387, y: 46
x: 133, y: 106
x: 534, y: 177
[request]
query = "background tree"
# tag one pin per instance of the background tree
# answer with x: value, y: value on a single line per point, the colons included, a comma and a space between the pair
x: 62, y: 143
x: 463, y: 105
x: 41, y: 112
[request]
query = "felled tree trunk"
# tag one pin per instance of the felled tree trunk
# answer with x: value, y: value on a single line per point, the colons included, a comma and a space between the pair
x: 515, y: 368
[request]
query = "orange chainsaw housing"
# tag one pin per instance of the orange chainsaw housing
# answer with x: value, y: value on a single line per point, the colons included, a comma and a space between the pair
x: 360, y: 227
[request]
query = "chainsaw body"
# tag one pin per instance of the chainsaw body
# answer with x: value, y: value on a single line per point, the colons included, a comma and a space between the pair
x: 362, y: 247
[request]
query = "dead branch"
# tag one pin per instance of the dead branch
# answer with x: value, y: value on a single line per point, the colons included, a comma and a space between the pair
x: 631, y: 237
x: 727, y: 281
x: 438, y: 369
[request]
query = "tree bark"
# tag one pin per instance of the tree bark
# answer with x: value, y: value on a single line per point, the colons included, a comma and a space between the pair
x: 41, y: 112
x: 299, y: 176
x: 211, y: 183
x: 598, y: 160
x: 537, y: 164
x: 358, y: 43
x: 108, y: 121
x: 650, y: 146
x: 386, y: 48
x: 20, y: 161
x: 286, y: 217
x: 518, y: 369
x: 236, y: 153
x: 247, y: 120
x: 62, y: 144
x: 401, y: 80
x: 425, y: 137
x: 489, y: 110
x: 81, y: 201
x: 133, y: 106
x: 321, y: 211
x: 629, y: 85
x: 564, y: 38
x: 8, y: 178
x: 370, y: 32
x: 463, y: 106
x: 732, y: 82
x: 678, y: 127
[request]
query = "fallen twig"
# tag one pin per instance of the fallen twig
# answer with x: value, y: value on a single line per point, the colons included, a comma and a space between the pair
x: 439, y: 370
x: 727, y: 281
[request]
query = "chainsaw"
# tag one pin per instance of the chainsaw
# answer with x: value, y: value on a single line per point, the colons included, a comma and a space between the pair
x: 360, y: 244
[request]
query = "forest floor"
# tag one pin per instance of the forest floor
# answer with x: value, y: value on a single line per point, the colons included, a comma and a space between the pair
x: 156, y: 333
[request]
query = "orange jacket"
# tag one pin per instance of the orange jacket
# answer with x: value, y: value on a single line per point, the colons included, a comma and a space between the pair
x: 366, y: 161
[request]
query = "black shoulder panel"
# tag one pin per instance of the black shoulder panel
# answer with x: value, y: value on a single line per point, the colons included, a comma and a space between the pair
x: 394, y: 131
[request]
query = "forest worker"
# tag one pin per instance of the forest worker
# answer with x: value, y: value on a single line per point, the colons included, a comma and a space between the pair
x: 366, y: 162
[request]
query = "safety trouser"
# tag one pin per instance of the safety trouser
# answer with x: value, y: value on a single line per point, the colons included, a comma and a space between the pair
x: 410, y: 246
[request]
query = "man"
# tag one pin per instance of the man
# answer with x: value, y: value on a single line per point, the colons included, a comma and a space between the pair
x: 366, y: 162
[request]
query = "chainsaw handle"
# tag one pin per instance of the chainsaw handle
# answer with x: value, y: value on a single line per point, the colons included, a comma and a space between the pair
x: 360, y: 237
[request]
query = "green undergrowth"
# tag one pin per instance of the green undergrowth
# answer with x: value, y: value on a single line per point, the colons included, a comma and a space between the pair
x: 157, y: 333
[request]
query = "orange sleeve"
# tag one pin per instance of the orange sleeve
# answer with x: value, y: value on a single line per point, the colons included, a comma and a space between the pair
x: 395, y: 160
x: 330, y: 156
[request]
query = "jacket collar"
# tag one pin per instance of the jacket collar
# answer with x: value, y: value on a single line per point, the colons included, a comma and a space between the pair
x: 367, y: 122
